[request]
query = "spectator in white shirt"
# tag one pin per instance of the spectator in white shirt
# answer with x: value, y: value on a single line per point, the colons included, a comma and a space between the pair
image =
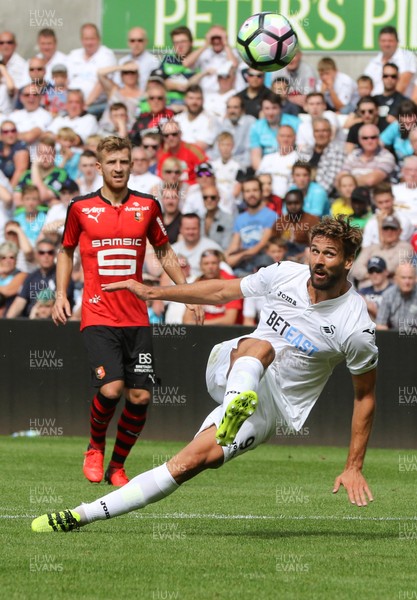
x: 81, y: 122
x: 279, y: 164
x: 215, y: 102
x: 383, y: 199
x: 47, y: 44
x: 197, y: 126
x: 84, y: 62
x: 90, y: 180
x: 340, y: 91
x: 315, y: 108
x: 405, y: 193
x: 390, y: 52
x: 141, y: 180
x: 213, y: 54
x: 225, y: 171
x: 16, y: 65
x: 7, y: 91
x: 32, y: 120
x: 137, y: 39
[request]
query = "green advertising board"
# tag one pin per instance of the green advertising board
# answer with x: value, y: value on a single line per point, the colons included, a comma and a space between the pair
x: 322, y: 25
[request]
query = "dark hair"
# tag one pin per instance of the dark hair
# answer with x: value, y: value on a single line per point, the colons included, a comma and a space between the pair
x: 390, y: 30
x: 194, y: 89
x: 365, y: 78
x: 407, y: 108
x: 273, y: 98
x: 26, y: 189
x: 189, y: 216
x: 295, y: 192
x: 303, y: 165
x: 237, y: 97
x: 88, y: 154
x: 392, y: 65
x: 368, y: 100
x: 118, y: 106
x: 314, y: 94
x: 249, y: 179
x: 339, y: 228
x: 182, y: 30
x: 383, y: 188
x: 47, y: 33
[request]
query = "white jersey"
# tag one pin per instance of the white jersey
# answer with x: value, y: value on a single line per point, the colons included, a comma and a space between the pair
x: 309, y: 339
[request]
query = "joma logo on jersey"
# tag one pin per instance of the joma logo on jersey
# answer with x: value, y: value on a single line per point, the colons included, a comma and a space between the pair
x: 287, y: 298
x: 116, y: 242
x: 93, y: 212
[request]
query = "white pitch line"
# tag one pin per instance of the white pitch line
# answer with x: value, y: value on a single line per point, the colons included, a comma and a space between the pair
x: 219, y: 517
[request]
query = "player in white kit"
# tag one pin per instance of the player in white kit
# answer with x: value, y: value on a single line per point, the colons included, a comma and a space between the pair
x: 311, y: 320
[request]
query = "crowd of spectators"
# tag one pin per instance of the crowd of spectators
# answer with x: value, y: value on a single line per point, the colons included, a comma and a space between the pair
x: 243, y: 163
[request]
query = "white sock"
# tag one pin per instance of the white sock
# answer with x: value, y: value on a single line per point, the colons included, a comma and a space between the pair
x: 245, y: 375
x: 142, y: 490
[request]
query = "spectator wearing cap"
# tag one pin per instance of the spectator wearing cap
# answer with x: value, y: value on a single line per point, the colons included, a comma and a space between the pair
x: 212, y: 54
x: 83, y: 64
x: 154, y: 115
x: 194, y: 202
x: 238, y: 124
x: 197, y: 125
x: 190, y: 155
x: 43, y: 278
x: 254, y: 93
x: 141, y: 180
x: 398, y: 308
x: 390, y: 248
x: 145, y: 61
x: 57, y: 95
x: 215, y: 102
x: 370, y: 163
x: 43, y: 173
x: 263, y: 133
x: 361, y: 206
x: 378, y: 276
x: 280, y: 87
x: 48, y: 51
x: 15, y: 64
x: 77, y: 118
x: 252, y: 230
x: 391, y: 52
x: 384, y: 202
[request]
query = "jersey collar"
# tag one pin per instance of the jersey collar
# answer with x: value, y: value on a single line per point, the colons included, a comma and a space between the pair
x: 125, y: 199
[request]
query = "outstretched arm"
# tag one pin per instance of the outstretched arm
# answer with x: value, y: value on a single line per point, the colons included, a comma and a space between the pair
x: 363, y: 412
x: 215, y: 291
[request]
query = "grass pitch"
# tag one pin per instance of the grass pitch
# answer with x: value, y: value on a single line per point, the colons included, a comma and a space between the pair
x: 264, y: 526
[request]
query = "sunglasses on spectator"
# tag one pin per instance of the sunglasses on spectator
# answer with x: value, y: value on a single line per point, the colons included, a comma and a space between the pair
x: 136, y: 40
x: 208, y: 197
x: 9, y: 42
x: 392, y: 75
x: 172, y: 133
x: 204, y: 174
x: 156, y: 98
x: 365, y: 111
x: 258, y: 75
x: 146, y: 146
x: 9, y: 130
x: 27, y: 95
x: 50, y: 252
x: 369, y: 137
x: 170, y: 171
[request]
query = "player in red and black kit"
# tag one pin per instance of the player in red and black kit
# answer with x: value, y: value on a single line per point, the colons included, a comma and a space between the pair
x: 111, y: 227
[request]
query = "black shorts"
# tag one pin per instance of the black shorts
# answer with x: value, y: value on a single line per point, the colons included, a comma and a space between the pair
x: 120, y: 353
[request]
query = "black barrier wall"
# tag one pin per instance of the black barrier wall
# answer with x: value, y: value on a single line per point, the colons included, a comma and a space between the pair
x: 45, y: 385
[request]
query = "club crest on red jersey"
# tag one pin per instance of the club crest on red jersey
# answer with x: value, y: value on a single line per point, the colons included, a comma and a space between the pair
x: 100, y: 372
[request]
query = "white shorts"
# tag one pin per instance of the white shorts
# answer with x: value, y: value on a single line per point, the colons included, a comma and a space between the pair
x: 259, y: 427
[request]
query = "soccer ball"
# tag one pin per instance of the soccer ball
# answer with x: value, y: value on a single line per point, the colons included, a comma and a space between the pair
x: 267, y: 42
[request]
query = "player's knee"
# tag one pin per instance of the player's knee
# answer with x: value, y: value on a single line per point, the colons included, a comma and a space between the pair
x: 138, y: 396
x: 267, y: 352
x: 112, y: 390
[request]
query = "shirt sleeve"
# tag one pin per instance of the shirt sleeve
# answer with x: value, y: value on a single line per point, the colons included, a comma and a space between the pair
x: 389, y: 134
x: 361, y: 350
x: 254, y: 138
x: 157, y: 234
x: 260, y: 283
x: 72, y: 228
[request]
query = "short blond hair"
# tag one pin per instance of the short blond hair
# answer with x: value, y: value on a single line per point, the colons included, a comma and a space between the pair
x: 113, y: 143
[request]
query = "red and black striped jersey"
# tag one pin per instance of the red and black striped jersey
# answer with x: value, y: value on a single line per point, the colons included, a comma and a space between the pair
x: 112, y: 242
